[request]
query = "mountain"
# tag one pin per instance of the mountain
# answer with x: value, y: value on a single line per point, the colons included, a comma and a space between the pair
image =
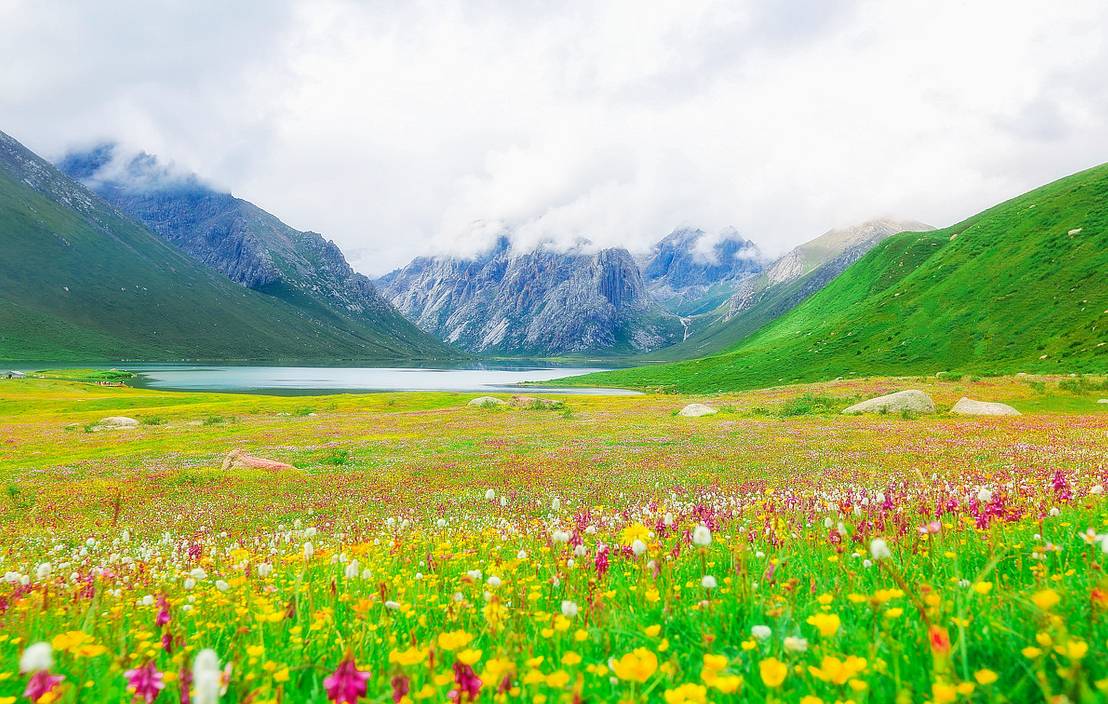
x: 80, y: 280
x: 543, y: 302
x: 250, y: 246
x: 689, y: 275
x: 757, y: 300
x: 1018, y: 287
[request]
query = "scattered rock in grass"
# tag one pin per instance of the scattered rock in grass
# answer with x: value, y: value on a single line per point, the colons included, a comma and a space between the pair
x: 695, y: 410
x: 532, y: 402
x: 116, y: 423
x: 487, y: 402
x: 969, y: 407
x: 238, y: 459
x: 1102, y: 400
x: 1075, y: 231
x: 910, y: 400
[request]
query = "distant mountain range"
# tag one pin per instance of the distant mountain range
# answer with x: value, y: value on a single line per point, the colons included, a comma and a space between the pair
x: 689, y: 279
x: 542, y: 302
x: 1020, y: 287
x: 81, y: 279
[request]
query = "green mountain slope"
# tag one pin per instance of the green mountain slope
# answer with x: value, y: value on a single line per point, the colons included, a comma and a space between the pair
x: 81, y: 281
x: 1022, y: 286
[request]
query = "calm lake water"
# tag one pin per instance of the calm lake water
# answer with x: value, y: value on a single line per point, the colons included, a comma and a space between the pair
x: 483, y: 377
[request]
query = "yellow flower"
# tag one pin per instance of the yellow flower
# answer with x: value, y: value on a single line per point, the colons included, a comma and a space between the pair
x: 837, y: 671
x: 726, y: 684
x: 827, y: 624
x: 557, y: 679
x: 1046, y: 599
x: 70, y: 640
x: 983, y: 587
x: 636, y: 666
x: 411, y: 656
x: 281, y: 675
x: 1073, y: 649
x: 469, y: 656
x: 714, y: 662
x: 452, y: 640
x: 985, y: 677
x: 633, y: 532
x: 571, y: 658
x: 1031, y: 652
x: 943, y: 693
x: 652, y: 631
x: 773, y: 672
x: 687, y: 694
x: 810, y: 699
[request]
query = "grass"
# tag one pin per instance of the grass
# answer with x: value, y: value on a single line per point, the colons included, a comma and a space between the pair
x: 383, y: 546
x: 1009, y: 290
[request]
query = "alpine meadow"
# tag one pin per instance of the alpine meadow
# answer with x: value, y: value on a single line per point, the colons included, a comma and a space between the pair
x: 645, y: 353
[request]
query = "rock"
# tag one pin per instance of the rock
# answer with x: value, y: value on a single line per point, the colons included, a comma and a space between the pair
x: 695, y: 410
x: 969, y: 407
x: 238, y: 459
x: 1102, y: 400
x: 116, y: 423
x: 910, y: 400
x: 532, y: 402
x: 487, y: 402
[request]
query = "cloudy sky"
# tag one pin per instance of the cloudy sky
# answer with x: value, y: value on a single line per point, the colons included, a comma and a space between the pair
x: 402, y: 128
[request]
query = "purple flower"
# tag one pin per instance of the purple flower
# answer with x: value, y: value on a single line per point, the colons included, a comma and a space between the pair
x: 40, y: 684
x: 468, y: 683
x: 347, y: 683
x: 146, y: 682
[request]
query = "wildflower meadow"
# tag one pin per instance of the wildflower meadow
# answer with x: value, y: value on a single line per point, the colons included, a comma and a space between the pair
x: 420, y: 550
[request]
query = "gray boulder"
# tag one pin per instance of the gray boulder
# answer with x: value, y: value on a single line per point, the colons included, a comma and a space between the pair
x: 695, y: 410
x: 486, y: 402
x: 969, y: 407
x: 116, y: 423
x: 910, y: 400
x: 1102, y: 400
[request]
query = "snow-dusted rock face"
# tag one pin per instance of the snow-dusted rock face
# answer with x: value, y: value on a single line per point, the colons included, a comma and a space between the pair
x: 542, y: 302
x: 690, y: 272
x: 235, y: 237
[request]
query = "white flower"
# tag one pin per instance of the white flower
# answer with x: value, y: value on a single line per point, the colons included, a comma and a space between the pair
x: 310, y: 532
x: 43, y: 570
x: 221, y: 585
x: 390, y: 604
x: 521, y: 555
x: 441, y: 523
x: 667, y: 519
x: 879, y: 549
x: 36, y: 658
x: 569, y: 609
x: 474, y: 574
x: 580, y: 550
x: 147, y: 600
x: 189, y: 583
x: 198, y: 574
x: 638, y: 547
x: 761, y: 632
x: 701, y: 536
x: 493, y: 581
x: 560, y: 536
x: 503, y: 501
x: 353, y: 569
x: 556, y: 504
x: 590, y: 530
x: 867, y: 563
x: 309, y: 550
x: 1055, y: 511
x: 207, y: 678
x: 984, y: 495
x: 265, y: 569
x: 795, y: 644
x: 708, y: 582
x: 490, y: 495
x: 1097, y: 489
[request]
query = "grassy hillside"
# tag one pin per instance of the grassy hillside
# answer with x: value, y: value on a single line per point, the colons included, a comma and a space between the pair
x: 1019, y: 287
x: 80, y: 281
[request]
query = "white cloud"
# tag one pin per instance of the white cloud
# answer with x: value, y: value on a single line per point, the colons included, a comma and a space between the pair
x: 403, y: 128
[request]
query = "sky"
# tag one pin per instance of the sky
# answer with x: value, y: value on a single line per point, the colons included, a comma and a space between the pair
x: 408, y: 128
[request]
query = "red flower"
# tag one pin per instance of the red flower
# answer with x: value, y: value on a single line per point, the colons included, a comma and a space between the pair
x: 41, y: 683
x: 347, y: 683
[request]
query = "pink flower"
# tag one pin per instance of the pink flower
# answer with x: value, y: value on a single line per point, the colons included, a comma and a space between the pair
x: 146, y: 682
x: 347, y: 683
x: 40, y: 684
x: 163, y: 613
x: 469, y: 684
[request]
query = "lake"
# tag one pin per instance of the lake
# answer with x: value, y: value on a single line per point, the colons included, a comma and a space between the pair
x: 488, y: 377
